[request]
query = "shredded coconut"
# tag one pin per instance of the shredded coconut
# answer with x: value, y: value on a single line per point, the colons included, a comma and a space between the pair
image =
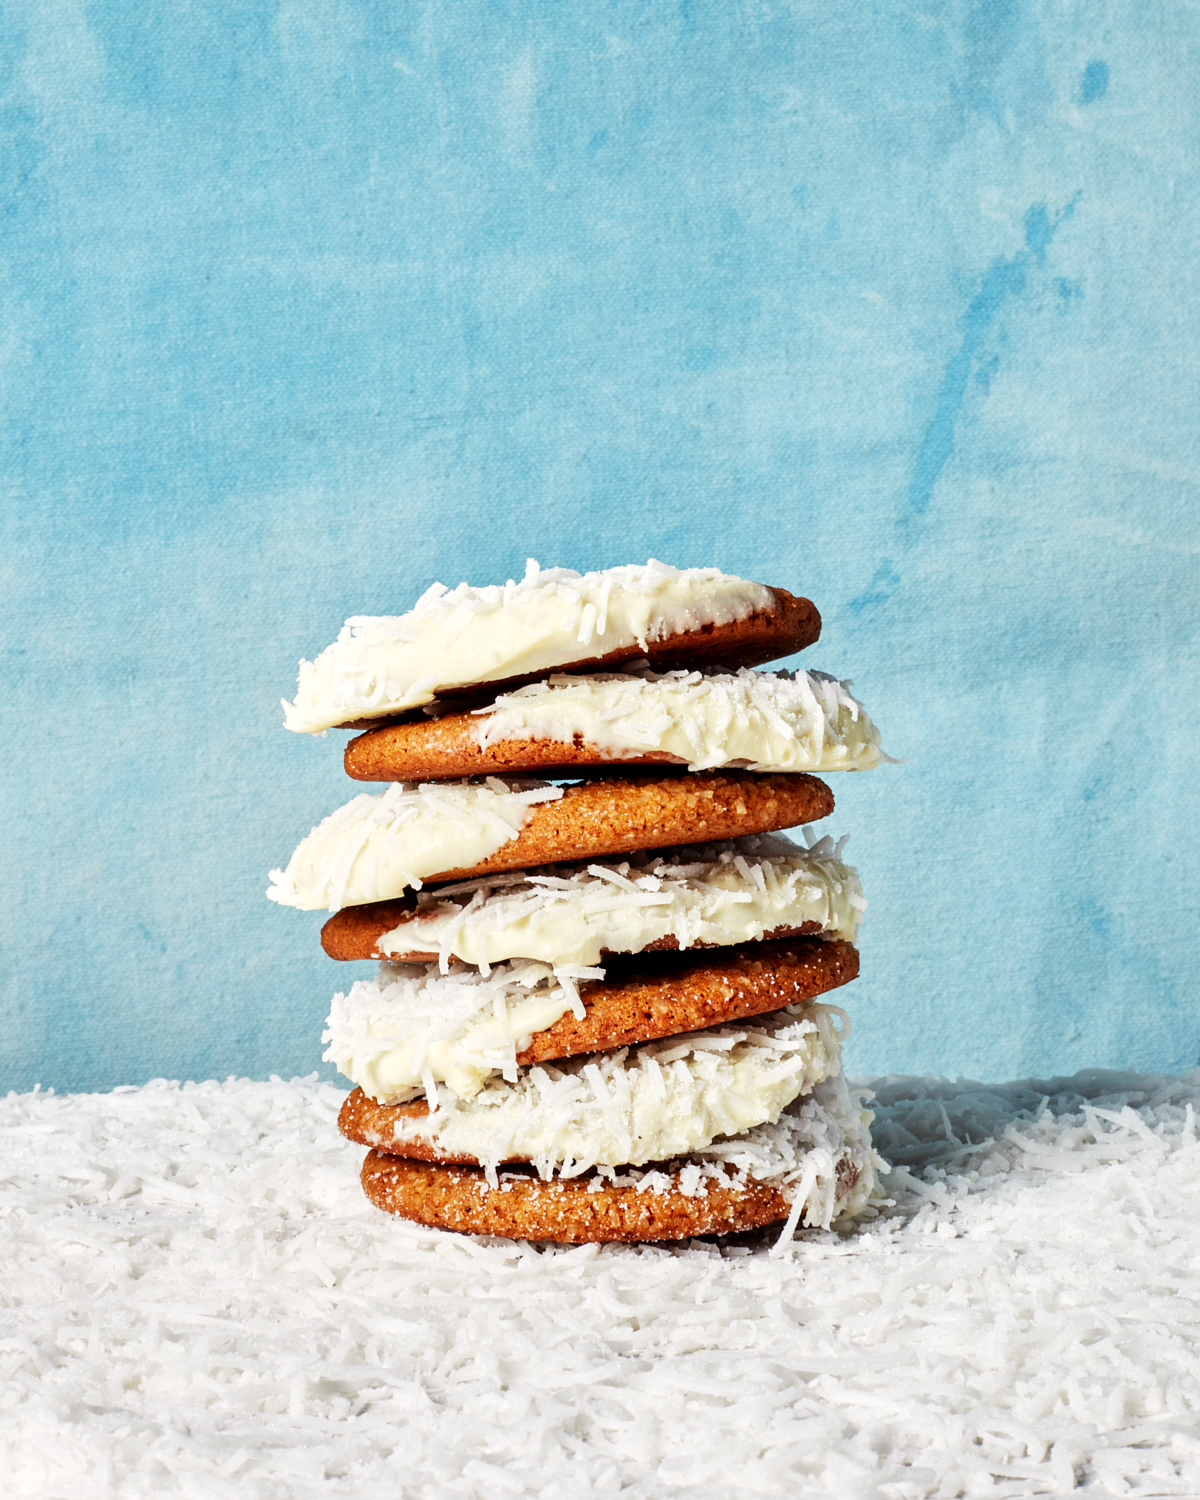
x: 820, y: 1135
x: 457, y: 1027
x: 643, y: 1103
x: 198, y: 1300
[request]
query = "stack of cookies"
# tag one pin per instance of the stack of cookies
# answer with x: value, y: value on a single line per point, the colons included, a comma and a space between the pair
x: 595, y: 1014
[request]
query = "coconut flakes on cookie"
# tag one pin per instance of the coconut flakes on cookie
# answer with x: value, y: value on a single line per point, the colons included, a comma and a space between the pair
x: 762, y: 721
x: 413, y: 1027
x: 715, y: 894
x: 639, y: 1104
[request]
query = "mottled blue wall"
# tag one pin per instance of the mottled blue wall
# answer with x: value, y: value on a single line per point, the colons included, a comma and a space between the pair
x: 309, y: 302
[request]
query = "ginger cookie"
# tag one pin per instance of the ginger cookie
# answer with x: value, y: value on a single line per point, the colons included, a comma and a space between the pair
x: 761, y: 721
x: 663, y: 996
x: 448, y: 748
x: 637, y: 1104
x: 567, y: 1211
x: 453, y: 641
x: 707, y: 895
x: 376, y: 848
x: 643, y: 999
x: 813, y: 1165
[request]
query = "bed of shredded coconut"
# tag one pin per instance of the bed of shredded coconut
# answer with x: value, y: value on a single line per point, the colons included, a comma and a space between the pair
x: 198, y: 1301
x: 642, y: 1103
x: 381, y: 844
x: 765, y: 721
x: 719, y: 894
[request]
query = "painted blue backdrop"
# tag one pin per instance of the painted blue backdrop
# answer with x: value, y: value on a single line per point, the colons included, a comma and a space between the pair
x: 307, y: 303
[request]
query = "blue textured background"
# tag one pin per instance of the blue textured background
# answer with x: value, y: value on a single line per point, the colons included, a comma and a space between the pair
x: 309, y: 302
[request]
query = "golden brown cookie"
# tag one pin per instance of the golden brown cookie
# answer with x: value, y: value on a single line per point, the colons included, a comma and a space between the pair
x: 354, y: 933
x: 766, y: 635
x: 566, y: 1211
x: 596, y: 818
x: 593, y: 819
x: 438, y: 749
x: 644, y: 998
x: 369, y: 1123
x: 573, y: 1211
x: 650, y: 996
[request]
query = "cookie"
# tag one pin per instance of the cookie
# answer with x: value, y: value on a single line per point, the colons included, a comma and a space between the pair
x: 570, y: 1211
x: 708, y: 895
x: 452, y: 642
x: 376, y: 848
x: 813, y: 1165
x: 757, y: 720
x: 637, y: 1104
x: 678, y: 993
x: 393, y: 1033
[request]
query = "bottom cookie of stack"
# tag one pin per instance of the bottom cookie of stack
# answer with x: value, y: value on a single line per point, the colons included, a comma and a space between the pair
x: 812, y: 1166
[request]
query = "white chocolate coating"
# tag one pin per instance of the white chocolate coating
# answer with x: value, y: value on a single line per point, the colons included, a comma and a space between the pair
x: 641, y: 1104
x: 816, y: 1139
x: 379, y: 845
x: 818, y: 1154
x: 764, y: 721
x: 413, y: 1027
x: 718, y: 894
x: 384, y: 664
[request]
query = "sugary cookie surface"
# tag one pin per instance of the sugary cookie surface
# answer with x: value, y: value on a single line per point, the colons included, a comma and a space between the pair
x: 377, y: 847
x: 813, y: 1165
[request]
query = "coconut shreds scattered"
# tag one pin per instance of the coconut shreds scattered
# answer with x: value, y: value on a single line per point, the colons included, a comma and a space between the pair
x: 199, y: 1301
x: 721, y: 894
x: 768, y: 721
x: 799, y: 1153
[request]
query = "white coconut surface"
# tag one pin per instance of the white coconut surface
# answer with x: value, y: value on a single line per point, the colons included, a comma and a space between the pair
x: 198, y: 1301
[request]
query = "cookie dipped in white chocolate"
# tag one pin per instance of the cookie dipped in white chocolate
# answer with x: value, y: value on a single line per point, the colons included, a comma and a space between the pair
x: 640, y: 1104
x: 416, y: 1027
x: 377, y: 847
x: 762, y: 721
x: 413, y: 1027
x: 814, y: 1164
x: 381, y: 665
x: 716, y: 895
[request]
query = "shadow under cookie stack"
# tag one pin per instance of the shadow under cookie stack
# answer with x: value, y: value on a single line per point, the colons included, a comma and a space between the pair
x: 595, y: 1015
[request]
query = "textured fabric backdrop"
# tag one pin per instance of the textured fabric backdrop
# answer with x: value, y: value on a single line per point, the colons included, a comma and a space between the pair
x: 307, y: 303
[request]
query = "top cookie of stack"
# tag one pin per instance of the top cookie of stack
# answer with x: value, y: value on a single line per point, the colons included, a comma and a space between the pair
x: 492, y: 1036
